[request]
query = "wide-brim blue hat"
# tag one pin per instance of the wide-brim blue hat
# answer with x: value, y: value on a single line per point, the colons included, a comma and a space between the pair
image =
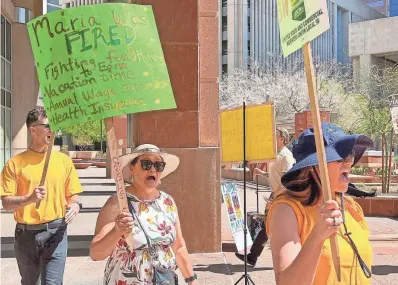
x: 338, y: 146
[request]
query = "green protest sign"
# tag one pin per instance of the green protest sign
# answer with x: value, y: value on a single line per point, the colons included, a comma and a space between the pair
x: 99, y: 61
x: 300, y: 22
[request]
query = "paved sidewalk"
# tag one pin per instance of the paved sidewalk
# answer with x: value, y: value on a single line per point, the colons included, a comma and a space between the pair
x: 212, y: 269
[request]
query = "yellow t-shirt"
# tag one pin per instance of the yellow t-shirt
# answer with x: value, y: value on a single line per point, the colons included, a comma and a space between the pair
x: 22, y: 174
x: 351, y: 272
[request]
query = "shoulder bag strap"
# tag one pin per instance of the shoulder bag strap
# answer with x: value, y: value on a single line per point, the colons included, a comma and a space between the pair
x: 152, y: 250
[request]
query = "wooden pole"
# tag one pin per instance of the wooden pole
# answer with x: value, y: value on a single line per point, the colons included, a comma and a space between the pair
x: 320, y: 147
x: 390, y: 160
x: 383, y: 185
x: 102, y: 151
x: 117, y: 172
x: 46, y: 162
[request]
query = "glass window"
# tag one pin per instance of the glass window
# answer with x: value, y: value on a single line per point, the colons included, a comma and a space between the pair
x: 3, y: 37
x: 8, y: 42
x: 2, y: 132
x: 3, y: 74
x: 51, y: 8
x: 7, y: 135
x: 5, y: 108
x: 8, y: 76
x: 8, y: 99
x: 56, y: 2
x: 225, y: 68
x: 3, y: 97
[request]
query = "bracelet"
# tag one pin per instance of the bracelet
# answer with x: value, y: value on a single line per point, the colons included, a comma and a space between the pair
x: 77, y: 202
x: 192, y: 278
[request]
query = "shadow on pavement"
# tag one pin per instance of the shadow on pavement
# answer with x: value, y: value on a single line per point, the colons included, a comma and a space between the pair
x: 97, y: 183
x: 227, y: 269
x: 228, y: 247
x: 93, y: 177
x: 384, y: 269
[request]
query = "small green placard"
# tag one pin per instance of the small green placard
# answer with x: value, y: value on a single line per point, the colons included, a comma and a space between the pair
x: 301, y: 21
x: 99, y: 61
x: 298, y: 12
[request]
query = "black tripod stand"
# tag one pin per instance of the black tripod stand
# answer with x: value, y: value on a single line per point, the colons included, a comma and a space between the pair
x: 245, y: 275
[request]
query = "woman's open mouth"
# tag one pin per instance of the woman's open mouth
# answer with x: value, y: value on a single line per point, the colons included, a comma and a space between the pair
x: 151, y: 178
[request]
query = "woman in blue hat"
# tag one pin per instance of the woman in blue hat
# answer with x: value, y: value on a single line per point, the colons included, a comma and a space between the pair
x: 300, y: 250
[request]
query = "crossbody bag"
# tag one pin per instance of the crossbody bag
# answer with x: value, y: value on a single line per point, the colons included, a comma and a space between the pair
x: 161, y: 276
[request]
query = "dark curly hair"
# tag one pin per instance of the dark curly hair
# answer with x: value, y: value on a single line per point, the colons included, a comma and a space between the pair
x: 35, y: 115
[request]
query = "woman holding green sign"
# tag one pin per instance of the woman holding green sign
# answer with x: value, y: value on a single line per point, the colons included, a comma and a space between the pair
x: 153, y: 220
x: 300, y: 249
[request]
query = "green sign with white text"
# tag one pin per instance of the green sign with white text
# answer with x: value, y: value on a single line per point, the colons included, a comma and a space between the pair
x: 99, y: 61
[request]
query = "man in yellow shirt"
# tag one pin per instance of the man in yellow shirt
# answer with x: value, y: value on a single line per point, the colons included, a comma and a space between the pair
x: 284, y: 161
x: 40, y: 235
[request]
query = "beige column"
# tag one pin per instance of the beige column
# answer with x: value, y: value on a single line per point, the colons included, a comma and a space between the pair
x: 362, y: 66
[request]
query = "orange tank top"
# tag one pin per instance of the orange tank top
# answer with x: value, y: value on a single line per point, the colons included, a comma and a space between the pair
x: 351, y: 272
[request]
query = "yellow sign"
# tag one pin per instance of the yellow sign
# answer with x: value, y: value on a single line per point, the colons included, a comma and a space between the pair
x: 260, y: 134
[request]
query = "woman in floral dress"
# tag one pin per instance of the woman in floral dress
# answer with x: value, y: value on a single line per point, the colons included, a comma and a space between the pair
x: 157, y: 212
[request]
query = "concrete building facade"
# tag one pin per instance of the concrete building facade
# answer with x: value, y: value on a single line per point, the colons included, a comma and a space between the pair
x: 250, y: 31
x: 373, y: 43
x: 19, y: 85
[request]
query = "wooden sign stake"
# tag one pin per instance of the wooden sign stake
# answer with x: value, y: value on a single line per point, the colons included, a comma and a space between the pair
x: 117, y: 172
x: 320, y: 147
x: 46, y: 162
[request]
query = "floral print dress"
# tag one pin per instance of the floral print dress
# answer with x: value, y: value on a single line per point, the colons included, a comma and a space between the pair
x: 158, y: 217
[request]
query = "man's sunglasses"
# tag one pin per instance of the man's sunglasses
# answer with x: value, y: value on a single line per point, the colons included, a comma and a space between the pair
x: 47, y: 126
x: 147, y: 165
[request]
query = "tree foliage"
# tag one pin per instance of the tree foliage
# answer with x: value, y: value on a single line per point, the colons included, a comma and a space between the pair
x: 286, y: 86
x: 85, y: 134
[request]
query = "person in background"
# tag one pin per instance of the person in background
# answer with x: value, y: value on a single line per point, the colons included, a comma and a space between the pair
x: 301, y: 254
x: 153, y: 217
x: 284, y: 161
x: 41, y: 234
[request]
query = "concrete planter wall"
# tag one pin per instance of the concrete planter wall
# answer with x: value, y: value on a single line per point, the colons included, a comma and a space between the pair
x: 100, y: 163
x: 372, y: 159
x: 82, y: 165
x: 371, y: 179
x: 234, y: 173
x: 84, y: 155
x: 379, y: 206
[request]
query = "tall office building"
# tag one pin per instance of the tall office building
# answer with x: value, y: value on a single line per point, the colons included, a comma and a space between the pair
x: 249, y: 31
x: 76, y: 3
x: 379, y: 5
x: 51, y: 5
x: 393, y: 8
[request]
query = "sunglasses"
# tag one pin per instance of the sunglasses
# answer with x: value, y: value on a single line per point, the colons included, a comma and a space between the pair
x: 47, y: 126
x: 147, y: 165
x: 351, y: 156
